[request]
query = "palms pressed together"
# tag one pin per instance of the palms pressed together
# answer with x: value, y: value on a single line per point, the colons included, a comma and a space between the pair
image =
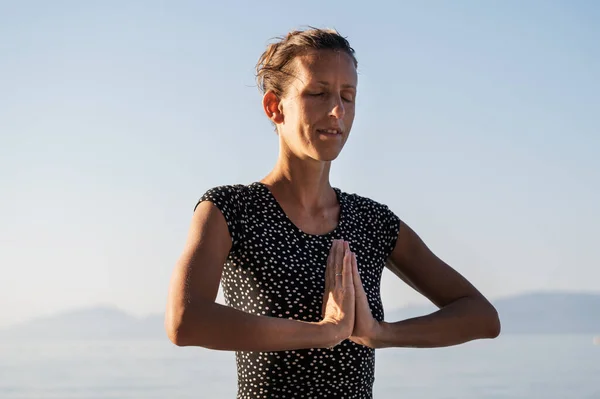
x: 345, y: 301
x: 365, y: 325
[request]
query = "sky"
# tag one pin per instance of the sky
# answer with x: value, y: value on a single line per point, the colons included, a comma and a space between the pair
x: 477, y: 124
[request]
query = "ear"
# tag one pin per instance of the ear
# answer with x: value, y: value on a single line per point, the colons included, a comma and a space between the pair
x: 272, y: 107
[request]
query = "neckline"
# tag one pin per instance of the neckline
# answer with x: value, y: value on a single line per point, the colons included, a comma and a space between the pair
x: 333, y: 232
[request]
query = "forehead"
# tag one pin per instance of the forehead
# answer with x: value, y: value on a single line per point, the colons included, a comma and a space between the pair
x: 325, y: 65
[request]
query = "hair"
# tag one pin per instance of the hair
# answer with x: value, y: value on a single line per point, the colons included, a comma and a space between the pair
x: 273, y: 70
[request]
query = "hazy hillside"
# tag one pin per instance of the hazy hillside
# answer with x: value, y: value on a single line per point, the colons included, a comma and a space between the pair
x: 89, y: 323
x: 536, y: 313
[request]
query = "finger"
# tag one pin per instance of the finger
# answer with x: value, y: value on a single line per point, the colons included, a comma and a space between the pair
x: 329, y: 274
x: 332, y: 250
x: 342, y: 254
x: 347, y: 281
x: 334, y: 261
x: 358, y: 286
x: 339, y: 257
x: 330, y: 268
x: 338, y: 263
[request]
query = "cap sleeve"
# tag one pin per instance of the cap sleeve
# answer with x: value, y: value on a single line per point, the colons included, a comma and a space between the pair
x: 227, y: 200
x: 390, y: 227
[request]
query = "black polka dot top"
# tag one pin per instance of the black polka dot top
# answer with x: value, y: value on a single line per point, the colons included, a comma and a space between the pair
x: 275, y: 269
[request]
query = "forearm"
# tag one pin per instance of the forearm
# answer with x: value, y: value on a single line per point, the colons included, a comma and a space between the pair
x: 464, y: 320
x: 220, y: 327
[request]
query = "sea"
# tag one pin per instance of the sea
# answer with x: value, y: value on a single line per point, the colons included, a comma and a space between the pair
x: 509, y: 367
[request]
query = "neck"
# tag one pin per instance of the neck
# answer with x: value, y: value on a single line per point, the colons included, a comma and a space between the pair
x: 303, y: 181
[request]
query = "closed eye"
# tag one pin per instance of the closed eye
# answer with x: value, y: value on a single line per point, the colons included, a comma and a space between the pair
x: 323, y: 94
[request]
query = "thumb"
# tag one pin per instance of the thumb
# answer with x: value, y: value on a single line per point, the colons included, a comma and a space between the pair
x: 359, y: 290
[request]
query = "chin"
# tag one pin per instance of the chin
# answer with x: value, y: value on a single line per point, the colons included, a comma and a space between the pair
x: 325, y: 156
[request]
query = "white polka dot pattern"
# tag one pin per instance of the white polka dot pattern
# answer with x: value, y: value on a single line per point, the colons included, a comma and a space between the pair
x: 275, y: 269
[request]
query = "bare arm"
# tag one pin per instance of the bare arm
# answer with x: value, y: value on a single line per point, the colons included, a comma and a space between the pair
x: 464, y: 313
x: 194, y: 319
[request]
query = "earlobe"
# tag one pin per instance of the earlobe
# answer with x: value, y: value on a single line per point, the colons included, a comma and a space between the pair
x: 278, y: 113
x: 272, y: 107
x: 277, y: 117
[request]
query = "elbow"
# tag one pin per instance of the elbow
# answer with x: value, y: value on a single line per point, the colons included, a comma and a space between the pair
x: 174, y: 327
x: 492, y: 322
x: 175, y: 336
x: 185, y: 326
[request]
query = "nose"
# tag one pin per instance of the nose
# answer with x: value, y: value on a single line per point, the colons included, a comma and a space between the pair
x: 337, y: 108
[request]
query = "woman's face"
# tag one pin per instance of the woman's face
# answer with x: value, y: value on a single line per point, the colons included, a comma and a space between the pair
x: 317, y: 108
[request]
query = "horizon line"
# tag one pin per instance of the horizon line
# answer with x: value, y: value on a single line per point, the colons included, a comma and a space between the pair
x: 425, y: 303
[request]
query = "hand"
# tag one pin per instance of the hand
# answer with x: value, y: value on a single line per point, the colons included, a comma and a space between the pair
x: 338, y: 298
x: 365, y: 326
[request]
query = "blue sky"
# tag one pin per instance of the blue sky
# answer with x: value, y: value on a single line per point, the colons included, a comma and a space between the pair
x: 477, y: 123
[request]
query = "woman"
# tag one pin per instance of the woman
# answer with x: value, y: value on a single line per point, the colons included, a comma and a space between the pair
x: 300, y: 261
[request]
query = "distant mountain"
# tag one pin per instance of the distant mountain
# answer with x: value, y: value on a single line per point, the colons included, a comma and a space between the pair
x: 535, y: 313
x: 89, y: 323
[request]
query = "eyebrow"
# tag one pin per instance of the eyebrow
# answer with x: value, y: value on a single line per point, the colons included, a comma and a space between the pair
x: 345, y: 86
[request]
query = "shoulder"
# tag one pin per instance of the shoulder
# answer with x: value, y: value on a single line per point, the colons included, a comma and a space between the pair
x: 366, y: 206
x: 231, y: 201
x: 225, y: 190
x: 375, y: 215
x: 228, y: 194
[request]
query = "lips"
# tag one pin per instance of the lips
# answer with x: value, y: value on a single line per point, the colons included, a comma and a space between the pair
x: 331, y: 132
